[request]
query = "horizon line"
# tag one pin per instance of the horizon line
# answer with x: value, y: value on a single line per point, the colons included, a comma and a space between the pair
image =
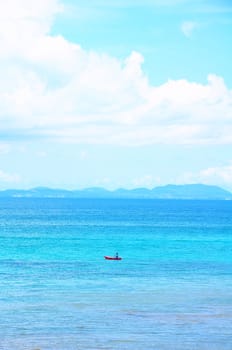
x: 111, y: 190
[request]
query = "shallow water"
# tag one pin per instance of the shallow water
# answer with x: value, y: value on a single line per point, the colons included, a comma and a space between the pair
x: 171, y: 291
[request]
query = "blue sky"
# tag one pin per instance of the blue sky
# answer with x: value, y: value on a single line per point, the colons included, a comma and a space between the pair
x: 115, y: 93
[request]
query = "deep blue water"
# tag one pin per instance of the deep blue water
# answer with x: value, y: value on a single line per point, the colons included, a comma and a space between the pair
x: 171, y: 291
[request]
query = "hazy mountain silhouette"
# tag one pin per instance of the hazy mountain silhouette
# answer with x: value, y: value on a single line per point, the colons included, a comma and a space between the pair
x: 191, y: 191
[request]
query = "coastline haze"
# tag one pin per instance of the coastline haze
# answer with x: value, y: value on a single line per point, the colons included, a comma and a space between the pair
x: 191, y: 191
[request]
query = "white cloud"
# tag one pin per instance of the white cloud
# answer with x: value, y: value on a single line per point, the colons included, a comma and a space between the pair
x: 188, y: 27
x: 41, y: 154
x: 221, y: 176
x: 8, y: 178
x: 22, y: 22
x: 53, y: 88
x: 4, y: 148
x: 103, y: 182
x: 147, y: 181
x: 83, y: 155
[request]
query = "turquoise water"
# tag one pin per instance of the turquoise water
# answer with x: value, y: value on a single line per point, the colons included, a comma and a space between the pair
x: 171, y: 291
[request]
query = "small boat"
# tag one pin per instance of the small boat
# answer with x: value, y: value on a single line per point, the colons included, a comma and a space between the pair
x: 113, y: 258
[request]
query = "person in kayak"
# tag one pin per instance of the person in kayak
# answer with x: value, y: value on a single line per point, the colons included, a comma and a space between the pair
x: 116, y: 255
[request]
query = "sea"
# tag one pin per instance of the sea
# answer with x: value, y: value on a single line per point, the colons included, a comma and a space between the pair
x: 172, y: 290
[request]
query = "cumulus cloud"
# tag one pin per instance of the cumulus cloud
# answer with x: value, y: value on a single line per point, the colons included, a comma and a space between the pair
x: 8, y: 178
x: 148, y: 181
x: 4, y: 148
x: 220, y: 176
x: 55, y: 89
x: 41, y: 154
x: 83, y: 155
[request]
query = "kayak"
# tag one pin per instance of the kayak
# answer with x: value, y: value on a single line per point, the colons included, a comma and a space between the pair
x: 113, y: 258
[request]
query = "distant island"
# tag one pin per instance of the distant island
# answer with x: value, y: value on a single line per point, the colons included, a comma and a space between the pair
x: 191, y: 191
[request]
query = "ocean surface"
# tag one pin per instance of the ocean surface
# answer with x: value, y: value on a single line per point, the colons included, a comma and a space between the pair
x: 171, y: 291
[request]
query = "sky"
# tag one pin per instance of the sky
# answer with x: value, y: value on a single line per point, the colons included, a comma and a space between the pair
x: 116, y: 93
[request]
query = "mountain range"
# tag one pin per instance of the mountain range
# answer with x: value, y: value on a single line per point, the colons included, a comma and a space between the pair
x: 190, y: 191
